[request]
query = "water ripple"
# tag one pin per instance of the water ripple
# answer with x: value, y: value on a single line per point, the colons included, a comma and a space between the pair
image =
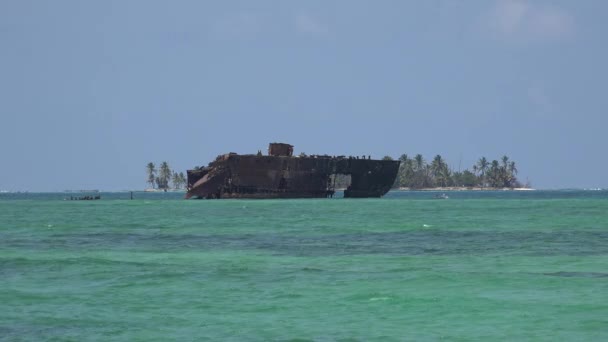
x: 391, y: 243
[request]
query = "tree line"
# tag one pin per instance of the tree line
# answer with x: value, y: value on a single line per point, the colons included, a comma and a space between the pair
x: 160, y: 179
x: 417, y: 173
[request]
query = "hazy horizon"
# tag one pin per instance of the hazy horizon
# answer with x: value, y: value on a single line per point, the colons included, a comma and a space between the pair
x: 92, y: 91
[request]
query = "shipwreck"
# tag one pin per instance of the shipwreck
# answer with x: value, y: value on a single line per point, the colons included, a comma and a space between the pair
x: 280, y: 174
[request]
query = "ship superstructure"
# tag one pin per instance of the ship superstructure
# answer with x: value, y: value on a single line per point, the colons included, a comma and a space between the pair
x: 280, y: 174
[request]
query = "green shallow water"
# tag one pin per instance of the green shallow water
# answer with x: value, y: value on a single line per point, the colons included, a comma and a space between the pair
x: 479, y: 266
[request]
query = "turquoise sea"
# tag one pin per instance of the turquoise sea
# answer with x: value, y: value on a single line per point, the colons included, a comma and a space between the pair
x: 407, y: 267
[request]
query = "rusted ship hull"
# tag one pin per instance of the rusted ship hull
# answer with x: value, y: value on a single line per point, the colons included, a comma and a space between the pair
x: 284, y: 176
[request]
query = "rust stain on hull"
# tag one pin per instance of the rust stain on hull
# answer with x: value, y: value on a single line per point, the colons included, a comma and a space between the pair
x: 281, y: 175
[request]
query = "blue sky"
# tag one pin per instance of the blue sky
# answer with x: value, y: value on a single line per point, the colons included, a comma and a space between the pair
x: 91, y: 91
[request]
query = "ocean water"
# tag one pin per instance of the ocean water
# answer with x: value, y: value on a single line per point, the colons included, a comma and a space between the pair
x: 477, y: 266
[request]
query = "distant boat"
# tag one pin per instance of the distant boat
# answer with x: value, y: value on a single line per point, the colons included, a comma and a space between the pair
x: 442, y: 196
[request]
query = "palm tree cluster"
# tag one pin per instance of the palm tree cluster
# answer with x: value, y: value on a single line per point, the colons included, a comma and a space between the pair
x: 497, y: 175
x: 163, y: 176
x: 416, y: 173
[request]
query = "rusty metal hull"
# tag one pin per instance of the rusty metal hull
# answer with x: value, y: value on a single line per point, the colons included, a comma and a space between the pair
x: 257, y: 176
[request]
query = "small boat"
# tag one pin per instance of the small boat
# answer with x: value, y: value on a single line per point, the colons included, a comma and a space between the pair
x: 442, y: 196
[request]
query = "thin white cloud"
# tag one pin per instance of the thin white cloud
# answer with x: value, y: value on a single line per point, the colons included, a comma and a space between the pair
x: 308, y: 25
x: 527, y: 20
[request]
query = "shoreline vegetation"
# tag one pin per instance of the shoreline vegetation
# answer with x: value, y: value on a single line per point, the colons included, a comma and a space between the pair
x: 159, y: 179
x: 416, y: 174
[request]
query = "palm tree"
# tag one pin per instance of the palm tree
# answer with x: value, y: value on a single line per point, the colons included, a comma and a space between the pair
x: 511, y: 171
x: 151, y: 173
x: 176, y: 180
x: 482, y: 167
x: 512, y: 168
x: 468, y: 178
x: 505, y: 161
x: 418, y: 162
x: 495, y: 174
x: 183, y: 179
x: 164, y: 175
x: 419, y: 171
x: 406, y: 171
x: 446, y: 176
x: 437, y: 169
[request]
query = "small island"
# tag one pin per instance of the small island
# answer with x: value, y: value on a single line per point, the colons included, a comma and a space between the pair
x: 416, y: 174
x: 163, y: 178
